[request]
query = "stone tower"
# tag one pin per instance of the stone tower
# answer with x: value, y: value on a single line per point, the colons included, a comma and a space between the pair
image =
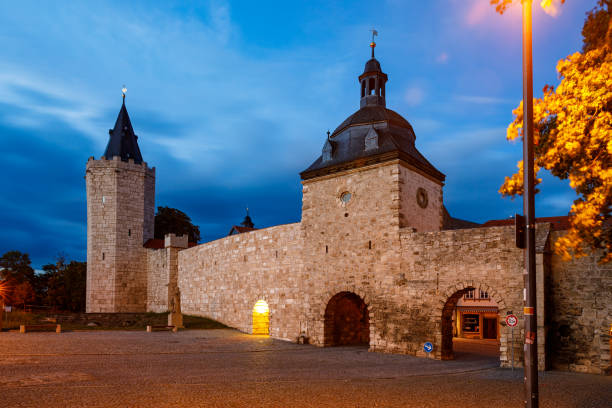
x: 120, y: 219
x: 369, y: 183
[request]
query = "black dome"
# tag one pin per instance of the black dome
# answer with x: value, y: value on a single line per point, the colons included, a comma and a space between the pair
x: 372, y: 66
x: 372, y: 114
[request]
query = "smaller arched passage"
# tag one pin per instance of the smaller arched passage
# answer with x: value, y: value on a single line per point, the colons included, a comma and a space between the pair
x: 482, y: 323
x: 347, y: 321
x: 261, y: 318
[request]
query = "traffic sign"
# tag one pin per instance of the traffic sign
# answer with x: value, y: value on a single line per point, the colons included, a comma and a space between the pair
x: 428, y: 347
x: 511, y: 320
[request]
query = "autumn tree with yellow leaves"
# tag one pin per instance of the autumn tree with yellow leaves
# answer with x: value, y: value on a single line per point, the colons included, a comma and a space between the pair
x: 573, y: 136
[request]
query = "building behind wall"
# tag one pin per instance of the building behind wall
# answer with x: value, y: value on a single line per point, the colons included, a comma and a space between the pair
x: 375, y: 247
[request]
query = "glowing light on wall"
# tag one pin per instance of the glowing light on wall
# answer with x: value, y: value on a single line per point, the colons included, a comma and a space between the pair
x: 261, y: 318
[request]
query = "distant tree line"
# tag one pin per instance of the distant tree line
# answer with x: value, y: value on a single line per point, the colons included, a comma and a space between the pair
x: 60, y: 286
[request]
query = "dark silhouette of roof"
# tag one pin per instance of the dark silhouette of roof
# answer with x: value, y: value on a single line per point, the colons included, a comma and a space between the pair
x: 157, y: 243
x: 123, y: 142
x: 373, y: 114
x: 247, y: 222
x: 236, y: 229
x: 560, y: 223
x: 450, y: 223
x: 372, y: 66
x: 373, y: 134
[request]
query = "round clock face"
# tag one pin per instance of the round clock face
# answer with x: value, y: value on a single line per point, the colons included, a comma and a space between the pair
x: 345, y: 197
x: 421, y: 197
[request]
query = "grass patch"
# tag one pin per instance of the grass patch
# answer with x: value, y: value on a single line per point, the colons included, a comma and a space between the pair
x: 105, y: 321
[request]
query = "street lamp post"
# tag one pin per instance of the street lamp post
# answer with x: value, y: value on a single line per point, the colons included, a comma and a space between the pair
x: 529, y: 311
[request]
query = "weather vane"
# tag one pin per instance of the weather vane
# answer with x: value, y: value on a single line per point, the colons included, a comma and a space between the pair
x: 123, y: 91
x: 373, y: 44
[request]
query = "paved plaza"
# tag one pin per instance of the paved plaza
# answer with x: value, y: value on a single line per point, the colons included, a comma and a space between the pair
x: 225, y: 368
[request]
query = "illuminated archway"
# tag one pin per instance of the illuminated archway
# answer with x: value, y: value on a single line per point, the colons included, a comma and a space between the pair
x: 347, y: 321
x: 261, y: 318
x: 470, y: 322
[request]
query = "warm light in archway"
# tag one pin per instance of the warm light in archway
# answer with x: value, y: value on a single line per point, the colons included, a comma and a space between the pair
x: 261, y: 307
x: 261, y: 318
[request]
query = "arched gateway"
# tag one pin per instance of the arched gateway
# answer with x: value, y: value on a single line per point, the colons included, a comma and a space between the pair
x: 347, y: 321
x: 470, y: 317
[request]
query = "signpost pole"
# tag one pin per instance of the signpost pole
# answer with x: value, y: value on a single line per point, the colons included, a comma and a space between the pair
x: 512, y: 345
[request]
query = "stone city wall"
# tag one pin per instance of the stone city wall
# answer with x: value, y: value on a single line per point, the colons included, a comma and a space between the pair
x: 580, y: 314
x: 437, y: 267
x: 157, y: 280
x: 223, y: 279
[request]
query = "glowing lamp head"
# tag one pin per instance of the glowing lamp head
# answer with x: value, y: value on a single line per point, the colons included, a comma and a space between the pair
x: 261, y: 307
x: 551, y: 7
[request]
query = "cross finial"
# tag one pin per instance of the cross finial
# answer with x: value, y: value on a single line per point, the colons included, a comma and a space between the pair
x: 123, y: 91
x: 373, y: 44
x: 327, y: 133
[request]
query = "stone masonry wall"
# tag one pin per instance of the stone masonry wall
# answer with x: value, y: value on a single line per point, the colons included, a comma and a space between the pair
x: 119, y: 208
x: 223, y: 279
x: 437, y: 265
x: 580, y: 314
x: 413, y: 215
x: 349, y: 247
x: 157, y: 280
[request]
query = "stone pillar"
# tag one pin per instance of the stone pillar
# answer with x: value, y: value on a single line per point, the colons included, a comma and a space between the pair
x: 173, y: 245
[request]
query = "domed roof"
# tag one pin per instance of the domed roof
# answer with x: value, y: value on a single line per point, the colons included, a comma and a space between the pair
x: 372, y: 66
x: 372, y: 114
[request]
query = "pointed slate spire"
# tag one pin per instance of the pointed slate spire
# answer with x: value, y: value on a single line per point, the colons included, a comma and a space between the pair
x: 247, y: 222
x: 123, y: 142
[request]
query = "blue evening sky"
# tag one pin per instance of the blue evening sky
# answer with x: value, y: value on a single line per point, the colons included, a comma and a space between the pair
x: 231, y: 100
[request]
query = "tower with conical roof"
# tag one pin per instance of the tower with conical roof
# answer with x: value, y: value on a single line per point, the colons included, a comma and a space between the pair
x: 120, y: 219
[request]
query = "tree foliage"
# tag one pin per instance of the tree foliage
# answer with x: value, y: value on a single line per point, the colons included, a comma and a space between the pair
x: 22, y: 293
x: 172, y: 221
x: 66, y: 285
x: 572, y: 137
x: 15, y: 267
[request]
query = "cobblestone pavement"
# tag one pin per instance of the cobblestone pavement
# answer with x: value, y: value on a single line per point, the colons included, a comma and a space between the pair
x: 224, y: 368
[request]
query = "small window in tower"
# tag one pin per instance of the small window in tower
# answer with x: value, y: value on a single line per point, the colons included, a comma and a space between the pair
x: 363, y: 88
x: 372, y: 85
x: 326, y: 249
x: 129, y: 232
x: 103, y: 199
x: 102, y: 255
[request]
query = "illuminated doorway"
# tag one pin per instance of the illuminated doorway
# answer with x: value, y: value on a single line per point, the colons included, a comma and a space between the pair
x: 470, y: 324
x: 346, y: 321
x: 261, y: 318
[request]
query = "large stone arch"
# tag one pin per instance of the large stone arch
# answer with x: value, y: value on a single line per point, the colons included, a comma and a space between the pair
x: 316, y: 317
x: 346, y: 321
x: 442, y: 314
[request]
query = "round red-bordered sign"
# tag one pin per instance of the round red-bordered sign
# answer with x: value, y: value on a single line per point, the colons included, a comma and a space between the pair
x: 511, y: 320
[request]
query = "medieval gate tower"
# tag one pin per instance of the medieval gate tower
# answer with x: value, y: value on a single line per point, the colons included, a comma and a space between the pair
x: 120, y: 218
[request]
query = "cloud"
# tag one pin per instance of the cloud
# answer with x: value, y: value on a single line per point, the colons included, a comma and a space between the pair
x: 488, y: 100
x: 477, y: 12
x: 442, y: 58
x: 414, y: 95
